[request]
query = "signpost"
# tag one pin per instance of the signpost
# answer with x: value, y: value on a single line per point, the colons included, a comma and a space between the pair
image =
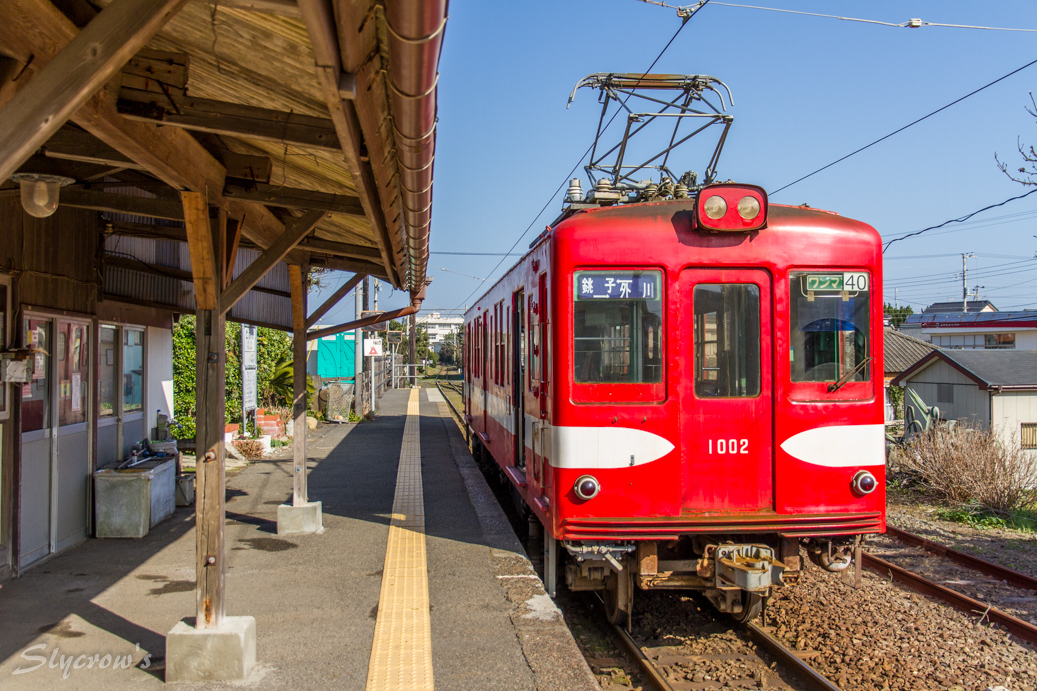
x: 377, y: 326
x: 372, y: 349
x: 249, y: 395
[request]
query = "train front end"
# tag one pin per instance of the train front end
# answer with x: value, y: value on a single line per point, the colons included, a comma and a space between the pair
x: 715, y: 398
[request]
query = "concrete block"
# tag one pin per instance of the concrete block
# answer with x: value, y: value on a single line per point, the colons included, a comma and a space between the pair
x: 227, y: 653
x: 307, y: 518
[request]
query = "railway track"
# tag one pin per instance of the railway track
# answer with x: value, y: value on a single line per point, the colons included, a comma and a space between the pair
x: 654, y: 665
x: 984, y: 611
x: 654, y: 671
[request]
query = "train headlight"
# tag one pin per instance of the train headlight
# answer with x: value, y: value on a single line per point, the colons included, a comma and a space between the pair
x: 864, y: 482
x: 586, y: 487
x: 715, y: 207
x: 731, y: 207
x: 748, y: 207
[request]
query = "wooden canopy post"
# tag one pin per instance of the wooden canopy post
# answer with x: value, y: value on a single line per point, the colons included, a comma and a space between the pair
x: 215, y: 647
x: 297, y: 276
x: 205, y: 242
x: 302, y: 515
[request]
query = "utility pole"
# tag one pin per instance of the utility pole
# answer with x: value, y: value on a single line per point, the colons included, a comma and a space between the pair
x: 413, y: 349
x: 964, y: 280
x: 358, y: 338
x: 367, y: 306
x: 377, y: 289
x: 896, y: 300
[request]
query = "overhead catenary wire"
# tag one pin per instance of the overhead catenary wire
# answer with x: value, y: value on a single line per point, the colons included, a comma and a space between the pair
x: 910, y: 124
x: 960, y: 219
x: 909, y: 24
x: 565, y: 181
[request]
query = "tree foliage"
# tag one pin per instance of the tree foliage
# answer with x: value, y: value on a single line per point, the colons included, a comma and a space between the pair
x: 274, y: 347
x: 896, y: 315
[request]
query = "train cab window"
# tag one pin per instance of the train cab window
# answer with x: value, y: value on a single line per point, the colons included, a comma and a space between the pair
x: 727, y: 340
x: 829, y: 317
x: 617, y: 327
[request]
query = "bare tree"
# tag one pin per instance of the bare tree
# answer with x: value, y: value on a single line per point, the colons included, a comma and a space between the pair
x: 1026, y: 173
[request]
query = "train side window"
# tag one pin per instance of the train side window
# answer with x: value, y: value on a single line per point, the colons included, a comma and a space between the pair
x: 829, y: 321
x: 617, y: 327
x: 727, y: 340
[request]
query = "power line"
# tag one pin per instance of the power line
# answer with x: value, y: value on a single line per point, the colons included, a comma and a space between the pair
x: 959, y: 219
x: 909, y: 24
x: 912, y: 124
x: 585, y: 153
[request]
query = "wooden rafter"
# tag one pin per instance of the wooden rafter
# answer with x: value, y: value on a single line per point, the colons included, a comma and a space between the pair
x: 89, y: 59
x: 334, y: 299
x: 319, y: 19
x: 289, y: 198
x: 293, y: 233
x: 219, y: 117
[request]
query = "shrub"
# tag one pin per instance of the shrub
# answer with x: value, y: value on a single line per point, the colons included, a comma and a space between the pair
x: 252, y: 449
x: 965, y: 464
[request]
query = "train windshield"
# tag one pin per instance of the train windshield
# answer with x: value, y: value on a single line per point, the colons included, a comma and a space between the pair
x: 617, y: 327
x: 829, y: 315
x: 727, y: 340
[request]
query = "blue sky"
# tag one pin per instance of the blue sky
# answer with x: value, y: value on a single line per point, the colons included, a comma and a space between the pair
x: 807, y: 90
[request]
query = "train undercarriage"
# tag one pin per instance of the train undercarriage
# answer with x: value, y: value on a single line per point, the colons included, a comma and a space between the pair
x: 735, y: 572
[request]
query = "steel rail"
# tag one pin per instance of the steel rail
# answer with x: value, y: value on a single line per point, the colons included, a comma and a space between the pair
x: 1015, y: 578
x: 963, y: 603
x: 807, y: 674
x: 650, y: 672
x: 450, y: 403
x: 804, y: 672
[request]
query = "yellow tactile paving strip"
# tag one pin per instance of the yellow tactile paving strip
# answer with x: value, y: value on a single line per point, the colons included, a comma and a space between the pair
x: 401, y: 657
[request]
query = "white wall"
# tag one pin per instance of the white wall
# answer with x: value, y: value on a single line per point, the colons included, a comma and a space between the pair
x: 1011, y: 409
x: 159, y: 381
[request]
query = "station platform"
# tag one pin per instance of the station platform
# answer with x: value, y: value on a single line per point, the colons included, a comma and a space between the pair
x: 417, y: 582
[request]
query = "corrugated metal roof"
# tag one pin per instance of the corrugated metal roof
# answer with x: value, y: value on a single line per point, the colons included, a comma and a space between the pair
x: 901, y: 351
x: 269, y: 303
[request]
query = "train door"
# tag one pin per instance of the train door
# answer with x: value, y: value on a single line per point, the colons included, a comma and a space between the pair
x: 484, y: 370
x: 541, y: 355
x: 518, y: 378
x: 726, y: 393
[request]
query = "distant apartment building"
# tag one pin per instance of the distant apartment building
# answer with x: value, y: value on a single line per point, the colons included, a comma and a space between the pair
x: 440, y: 329
x: 977, y: 325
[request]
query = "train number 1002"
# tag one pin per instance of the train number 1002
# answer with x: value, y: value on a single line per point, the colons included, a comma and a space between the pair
x: 729, y: 446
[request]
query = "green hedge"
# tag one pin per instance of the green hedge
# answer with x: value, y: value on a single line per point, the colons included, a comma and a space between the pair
x: 273, y: 346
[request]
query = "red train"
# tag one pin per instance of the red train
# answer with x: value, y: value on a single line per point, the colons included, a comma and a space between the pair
x: 683, y: 391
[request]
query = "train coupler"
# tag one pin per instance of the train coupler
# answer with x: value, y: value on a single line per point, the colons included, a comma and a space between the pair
x: 746, y: 567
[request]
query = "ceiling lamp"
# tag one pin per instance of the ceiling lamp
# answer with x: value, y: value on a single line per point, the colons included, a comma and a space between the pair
x: 40, y: 192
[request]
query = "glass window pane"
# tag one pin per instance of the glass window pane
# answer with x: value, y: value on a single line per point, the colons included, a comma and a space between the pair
x: 73, y: 372
x: 617, y: 327
x: 106, y: 378
x: 36, y: 394
x: 830, y: 326
x: 727, y: 340
x: 132, y: 370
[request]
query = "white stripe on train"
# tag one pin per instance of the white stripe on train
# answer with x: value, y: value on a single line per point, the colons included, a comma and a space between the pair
x: 836, y: 446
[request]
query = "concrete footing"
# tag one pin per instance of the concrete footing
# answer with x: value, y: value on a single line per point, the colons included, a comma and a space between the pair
x: 227, y: 653
x: 305, y: 518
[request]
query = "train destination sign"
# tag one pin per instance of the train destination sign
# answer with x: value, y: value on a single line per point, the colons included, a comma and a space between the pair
x: 836, y: 283
x: 617, y: 285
